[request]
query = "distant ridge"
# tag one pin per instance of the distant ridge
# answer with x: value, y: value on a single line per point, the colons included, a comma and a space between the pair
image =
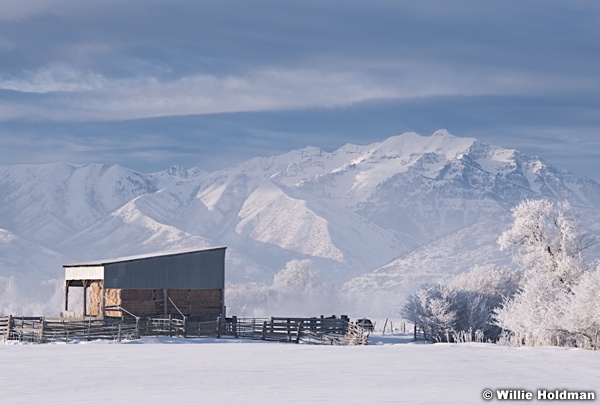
x: 372, y: 217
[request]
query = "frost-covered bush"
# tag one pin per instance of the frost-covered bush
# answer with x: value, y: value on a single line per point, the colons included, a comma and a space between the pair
x: 582, y: 308
x: 430, y: 308
x: 533, y: 315
x: 479, y: 292
x: 461, y: 308
x: 556, y: 303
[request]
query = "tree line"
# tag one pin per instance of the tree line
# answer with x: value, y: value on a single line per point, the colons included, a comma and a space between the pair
x: 548, y: 297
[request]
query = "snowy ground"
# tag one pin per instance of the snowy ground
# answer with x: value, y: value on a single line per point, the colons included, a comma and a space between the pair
x: 389, y: 370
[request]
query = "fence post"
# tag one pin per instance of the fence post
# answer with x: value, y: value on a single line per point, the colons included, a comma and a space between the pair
x: 9, y: 326
x: 89, y: 329
x: 41, y: 337
x: 170, y: 320
x: 185, y: 326
x: 298, y: 332
x: 264, y: 331
x: 137, y: 327
x: 119, y: 335
x: 219, y: 321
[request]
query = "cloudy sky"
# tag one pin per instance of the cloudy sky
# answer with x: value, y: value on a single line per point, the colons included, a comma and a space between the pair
x: 153, y: 83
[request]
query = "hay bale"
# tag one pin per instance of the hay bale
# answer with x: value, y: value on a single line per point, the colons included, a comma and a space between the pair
x: 205, y: 312
x: 114, y: 313
x: 178, y: 294
x: 140, y: 308
x: 95, y: 298
x: 137, y: 295
x: 205, y: 296
x: 113, y: 296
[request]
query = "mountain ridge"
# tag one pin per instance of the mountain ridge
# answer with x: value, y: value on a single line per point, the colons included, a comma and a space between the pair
x: 353, y: 212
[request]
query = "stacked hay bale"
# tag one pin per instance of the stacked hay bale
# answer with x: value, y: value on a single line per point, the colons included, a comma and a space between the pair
x: 178, y: 301
x: 139, y: 302
x: 143, y: 303
x: 205, y: 303
x: 95, y: 298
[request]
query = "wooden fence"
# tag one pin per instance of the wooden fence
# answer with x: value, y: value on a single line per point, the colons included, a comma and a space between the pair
x: 300, y: 330
x: 333, y: 331
x: 48, y: 330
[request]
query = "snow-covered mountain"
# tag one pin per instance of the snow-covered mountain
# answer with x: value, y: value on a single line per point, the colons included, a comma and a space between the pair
x: 375, y: 217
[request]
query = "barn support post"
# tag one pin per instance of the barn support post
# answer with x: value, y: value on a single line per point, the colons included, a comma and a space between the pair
x: 86, y: 283
x: 66, y: 295
x: 103, y: 299
x: 165, y: 298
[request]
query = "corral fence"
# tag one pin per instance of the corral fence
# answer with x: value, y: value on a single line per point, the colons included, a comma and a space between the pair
x: 48, y: 330
x: 332, y: 331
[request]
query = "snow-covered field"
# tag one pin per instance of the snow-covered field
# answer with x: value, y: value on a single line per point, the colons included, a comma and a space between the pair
x: 389, y: 370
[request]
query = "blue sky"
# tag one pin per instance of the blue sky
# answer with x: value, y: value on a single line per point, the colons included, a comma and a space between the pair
x: 150, y: 84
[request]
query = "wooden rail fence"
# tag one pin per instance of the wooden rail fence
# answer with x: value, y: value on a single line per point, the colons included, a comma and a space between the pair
x: 332, y: 331
x: 48, y: 330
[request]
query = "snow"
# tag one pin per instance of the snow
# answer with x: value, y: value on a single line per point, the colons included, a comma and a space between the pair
x: 269, y: 215
x: 170, y: 370
x: 351, y: 211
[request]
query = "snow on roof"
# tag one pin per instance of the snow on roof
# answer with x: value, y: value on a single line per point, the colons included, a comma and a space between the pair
x: 138, y: 257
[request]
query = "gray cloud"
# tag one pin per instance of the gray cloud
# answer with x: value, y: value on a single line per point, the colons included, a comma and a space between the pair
x: 271, y: 75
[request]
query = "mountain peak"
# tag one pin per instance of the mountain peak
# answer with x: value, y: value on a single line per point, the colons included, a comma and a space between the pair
x: 440, y: 142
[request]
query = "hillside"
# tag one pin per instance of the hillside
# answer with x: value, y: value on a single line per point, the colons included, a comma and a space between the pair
x: 377, y: 219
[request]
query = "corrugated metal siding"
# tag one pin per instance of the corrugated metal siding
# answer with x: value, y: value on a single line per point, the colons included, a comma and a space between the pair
x: 84, y: 273
x: 194, y: 270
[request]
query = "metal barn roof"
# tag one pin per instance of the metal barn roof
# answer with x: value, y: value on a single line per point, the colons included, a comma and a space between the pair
x: 198, y: 269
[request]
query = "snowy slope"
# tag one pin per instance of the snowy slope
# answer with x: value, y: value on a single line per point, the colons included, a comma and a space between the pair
x: 47, y: 203
x: 376, y: 216
x: 233, y: 372
x: 385, y: 289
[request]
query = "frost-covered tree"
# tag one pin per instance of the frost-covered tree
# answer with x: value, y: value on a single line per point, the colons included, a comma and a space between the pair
x: 545, y: 236
x: 549, y: 246
x: 297, y: 277
x: 462, y: 308
x: 582, y: 308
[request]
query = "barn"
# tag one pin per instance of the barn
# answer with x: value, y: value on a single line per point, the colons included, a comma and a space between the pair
x: 189, y: 283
